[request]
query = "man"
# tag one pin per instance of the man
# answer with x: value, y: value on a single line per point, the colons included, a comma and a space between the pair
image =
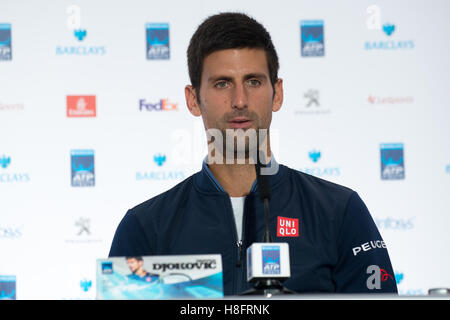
x: 334, y: 244
x: 136, y: 265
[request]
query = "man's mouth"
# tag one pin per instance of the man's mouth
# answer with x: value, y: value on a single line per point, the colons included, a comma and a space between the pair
x: 240, y: 123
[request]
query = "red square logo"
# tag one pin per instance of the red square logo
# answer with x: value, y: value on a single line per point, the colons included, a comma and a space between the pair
x: 287, y: 227
x: 81, y: 106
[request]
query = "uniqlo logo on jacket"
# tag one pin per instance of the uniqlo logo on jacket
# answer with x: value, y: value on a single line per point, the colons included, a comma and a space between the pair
x: 81, y: 106
x: 287, y: 227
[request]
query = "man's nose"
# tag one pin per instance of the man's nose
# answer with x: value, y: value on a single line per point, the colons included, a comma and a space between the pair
x: 240, y: 99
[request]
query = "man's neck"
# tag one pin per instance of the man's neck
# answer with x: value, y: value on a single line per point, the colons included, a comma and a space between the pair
x: 235, y: 179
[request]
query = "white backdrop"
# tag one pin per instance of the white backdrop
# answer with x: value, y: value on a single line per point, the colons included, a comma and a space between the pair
x: 368, y: 89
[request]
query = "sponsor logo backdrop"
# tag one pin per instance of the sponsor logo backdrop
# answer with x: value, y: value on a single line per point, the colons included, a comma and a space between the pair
x: 93, y: 121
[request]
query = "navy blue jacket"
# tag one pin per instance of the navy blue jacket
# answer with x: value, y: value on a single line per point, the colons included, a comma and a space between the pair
x: 337, y: 239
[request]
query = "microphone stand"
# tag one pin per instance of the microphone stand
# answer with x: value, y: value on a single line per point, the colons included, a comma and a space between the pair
x: 269, y: 286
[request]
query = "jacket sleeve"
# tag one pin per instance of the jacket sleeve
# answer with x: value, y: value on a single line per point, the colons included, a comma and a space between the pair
x: 129, y: 238
x: 363, y: 263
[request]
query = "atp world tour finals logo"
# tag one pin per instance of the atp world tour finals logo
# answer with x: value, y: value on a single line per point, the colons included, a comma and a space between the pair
x: 312, y: 44
x: 271, y: 259
x: 157, y: 39
x: 82, y: 167
x: 392, y: 161
x: 5, y: 41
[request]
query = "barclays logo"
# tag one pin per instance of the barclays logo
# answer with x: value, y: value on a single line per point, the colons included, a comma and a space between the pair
x: 315, y: 156
x: 447, y: 169
x: 398, y: 277
x: 5, y: 161
x: 79, y: 34
x: 389, y: 45
x: 374, y: 24
x: 14, y: 178
x: 159, y: 159
x: 74, y: 25
x: 80, y: 51
x: 412, y: 292
x: 11, y: 177
x: 159, y: 175
x: 85, y: 284
x: 388, y: 28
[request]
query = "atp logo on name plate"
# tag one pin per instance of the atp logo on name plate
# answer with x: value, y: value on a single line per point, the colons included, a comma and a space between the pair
x: 82, y: 167
x: 157, y: 39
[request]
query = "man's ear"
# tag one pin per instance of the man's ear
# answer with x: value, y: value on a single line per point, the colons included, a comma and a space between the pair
x: 278, y: 96
x: 191, y: 101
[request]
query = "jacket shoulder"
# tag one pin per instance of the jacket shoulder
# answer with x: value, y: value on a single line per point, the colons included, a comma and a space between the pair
x: 318, y: 187
x: 163, y: 202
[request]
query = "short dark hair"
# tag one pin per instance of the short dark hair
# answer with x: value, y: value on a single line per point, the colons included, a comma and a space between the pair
x: 138, y: 258
x: 229, y: 31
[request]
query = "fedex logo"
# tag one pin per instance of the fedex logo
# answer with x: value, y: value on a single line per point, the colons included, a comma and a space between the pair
x: 162, y: 105
x: 81, y: 106
x: 287, y: 227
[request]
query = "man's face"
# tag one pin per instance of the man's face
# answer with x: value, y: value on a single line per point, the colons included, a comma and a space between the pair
x: 134, y: 264
x: 235, y: 91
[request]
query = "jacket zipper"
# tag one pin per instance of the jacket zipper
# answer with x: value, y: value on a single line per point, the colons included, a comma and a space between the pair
x: 240, y: 253
x: 239, y: 247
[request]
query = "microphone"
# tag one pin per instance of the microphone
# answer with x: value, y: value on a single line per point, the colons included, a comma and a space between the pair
x: 264, y: 196
x: 267, y: 262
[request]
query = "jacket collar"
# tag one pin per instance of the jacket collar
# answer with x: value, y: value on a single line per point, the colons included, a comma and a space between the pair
x: 205, y: 181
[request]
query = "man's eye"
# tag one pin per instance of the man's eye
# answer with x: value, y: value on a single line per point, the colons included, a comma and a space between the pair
x: 254, y: 82
x: 221, y: 84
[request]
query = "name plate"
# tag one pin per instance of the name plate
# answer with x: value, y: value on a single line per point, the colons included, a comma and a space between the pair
x: 160, y: 277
